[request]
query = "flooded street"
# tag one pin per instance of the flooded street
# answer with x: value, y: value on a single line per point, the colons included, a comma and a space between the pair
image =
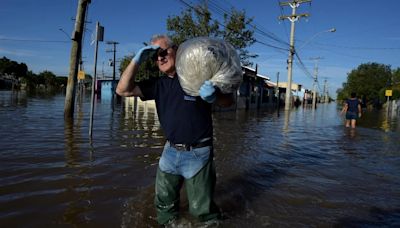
x: 298, y: 169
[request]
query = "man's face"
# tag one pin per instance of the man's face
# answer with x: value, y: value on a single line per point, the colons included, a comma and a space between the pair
x: 165, y: 61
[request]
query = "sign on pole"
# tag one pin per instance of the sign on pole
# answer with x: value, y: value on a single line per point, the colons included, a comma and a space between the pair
x: 81, y: 75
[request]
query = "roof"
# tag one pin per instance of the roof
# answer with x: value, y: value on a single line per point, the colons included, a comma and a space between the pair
x: 253, y: 71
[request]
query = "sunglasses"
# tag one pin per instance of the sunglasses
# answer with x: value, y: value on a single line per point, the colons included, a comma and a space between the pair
x: 160, y: 53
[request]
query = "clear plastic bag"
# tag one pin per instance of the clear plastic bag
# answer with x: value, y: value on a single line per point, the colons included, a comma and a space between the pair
x: 203, y: 58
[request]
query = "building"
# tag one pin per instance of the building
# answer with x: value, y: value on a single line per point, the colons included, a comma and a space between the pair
x: 255, y: 91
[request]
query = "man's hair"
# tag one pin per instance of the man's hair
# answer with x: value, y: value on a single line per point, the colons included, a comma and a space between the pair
x: 353, y: 95
x: 162, y: 36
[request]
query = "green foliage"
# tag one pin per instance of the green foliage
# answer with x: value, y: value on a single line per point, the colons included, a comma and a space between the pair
x: 20, y: 71
x: 62, y: 81
x: 192, y: 23
x: 197, y: 22
x: 396, y: 84
x: 146, y: 70
x: 124, y: 63
x: 9, y: 67
x: 47, y: 78
x: 370, y: 80
x: 236, y: 34
x: 29, y: 80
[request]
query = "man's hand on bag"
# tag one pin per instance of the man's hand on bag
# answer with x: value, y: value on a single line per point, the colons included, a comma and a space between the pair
x: 145, y: 53
x: 207, y: 92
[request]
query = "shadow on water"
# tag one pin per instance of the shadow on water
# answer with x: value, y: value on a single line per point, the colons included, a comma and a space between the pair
x: 237, y: 194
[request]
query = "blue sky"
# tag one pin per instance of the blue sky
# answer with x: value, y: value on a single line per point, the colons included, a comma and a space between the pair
x: 36, y: 32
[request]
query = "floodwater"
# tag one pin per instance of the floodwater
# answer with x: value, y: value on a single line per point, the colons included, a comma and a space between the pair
x: 300, y: 169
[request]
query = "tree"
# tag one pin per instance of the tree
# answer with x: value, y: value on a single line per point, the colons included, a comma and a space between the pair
x: 62, y: 81
x: 29, y: 79
x: 236, y: 34
x: 196, y: 21
x: 369, y: 80
x: 192, y: 23
x: 49, y: 77
x: 146, y: 70
x: 396, y: 84
x: 9, y: 67
x: 124, y: 63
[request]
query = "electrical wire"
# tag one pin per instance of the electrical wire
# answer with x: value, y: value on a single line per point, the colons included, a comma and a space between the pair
x: 31, y: 40
x: 302, y: 66
x: 256, y: 26
x: 220, y: 9
x: 284, y: 25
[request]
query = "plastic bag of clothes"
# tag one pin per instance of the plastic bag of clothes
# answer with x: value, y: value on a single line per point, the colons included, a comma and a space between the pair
x: 203, y: 58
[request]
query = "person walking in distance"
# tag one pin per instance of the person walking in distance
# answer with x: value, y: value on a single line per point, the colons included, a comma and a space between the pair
x: 352, y: 109
x: 186, y: 121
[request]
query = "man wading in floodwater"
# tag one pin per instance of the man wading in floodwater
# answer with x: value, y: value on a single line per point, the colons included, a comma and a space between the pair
x: 187, y: 124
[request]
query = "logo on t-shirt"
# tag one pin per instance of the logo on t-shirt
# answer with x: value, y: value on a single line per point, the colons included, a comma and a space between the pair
x: 189, y: 98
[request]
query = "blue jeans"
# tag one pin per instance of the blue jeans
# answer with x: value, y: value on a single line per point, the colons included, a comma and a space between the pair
x: 183, y: 163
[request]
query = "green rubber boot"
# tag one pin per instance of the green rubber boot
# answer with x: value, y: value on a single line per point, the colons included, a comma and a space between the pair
x: 200, y: 193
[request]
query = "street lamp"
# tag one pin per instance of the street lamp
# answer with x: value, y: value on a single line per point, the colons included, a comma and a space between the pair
x: 62, y: 30
x: 315, y: 35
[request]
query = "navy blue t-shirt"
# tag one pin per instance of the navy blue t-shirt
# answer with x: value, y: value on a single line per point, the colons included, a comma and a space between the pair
x: 352, y: 105
x: 184, y: 119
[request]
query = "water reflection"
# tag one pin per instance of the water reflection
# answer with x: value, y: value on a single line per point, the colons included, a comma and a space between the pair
x: 286, y: 122
x: 380, y: 119
x: 141, y: 118
x: 78, y: 184
x: 13, y: 99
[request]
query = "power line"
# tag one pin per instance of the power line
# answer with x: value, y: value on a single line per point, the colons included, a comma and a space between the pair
x: 272, y: 46
x: 217, y: 9
x: 256, y: 26
x: 301, y: 65
x: 32, y: 40
x: 284, y: 25
x: 219, y: 23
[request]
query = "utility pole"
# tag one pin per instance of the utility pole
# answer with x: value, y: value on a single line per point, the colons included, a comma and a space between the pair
x: 76, y: 51
x: 114, y: 50
x: 292, y: 18
x: 326, y: 97
x: 113, y: 84
x: 277, y: 92
x: 314, y: 98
